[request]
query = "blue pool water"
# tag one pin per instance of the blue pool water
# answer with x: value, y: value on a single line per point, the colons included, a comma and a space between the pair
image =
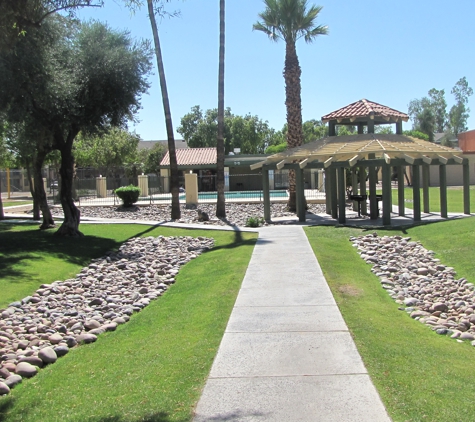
x: 241, y: 195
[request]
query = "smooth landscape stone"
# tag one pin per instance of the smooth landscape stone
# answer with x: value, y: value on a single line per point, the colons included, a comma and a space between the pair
x: 4, y: 373
x: 86, y: 338
x: 13, y: 380
x: 26, y: 370
x: 47, y: 355
x: 61, y: 350
x: 4, y: 389
x: 33, y: 360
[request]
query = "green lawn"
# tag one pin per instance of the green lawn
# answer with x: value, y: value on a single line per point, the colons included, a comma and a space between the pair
x: 454, y: 199
x: 420, y: 375
x: 8, y: 203
x: 151, y: 369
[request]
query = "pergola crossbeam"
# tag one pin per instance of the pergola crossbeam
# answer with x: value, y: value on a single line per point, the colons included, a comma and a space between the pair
x: 387, y: 158
x: 426, y: 159
x: 354, y: 160
x: 327, y: 163
x: 303, y: 163
x: 457, y: 159
x: 409, y: 159
x: 442, y: 160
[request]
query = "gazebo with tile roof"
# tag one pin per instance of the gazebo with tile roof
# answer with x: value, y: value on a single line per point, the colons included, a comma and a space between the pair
x: 363, y: 154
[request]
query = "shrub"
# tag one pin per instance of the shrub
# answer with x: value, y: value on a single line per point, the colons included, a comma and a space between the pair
x: 128, y: 194
x: 254, y: 221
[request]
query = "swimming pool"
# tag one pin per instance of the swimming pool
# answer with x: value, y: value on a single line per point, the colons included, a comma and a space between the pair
x: 240, y: 194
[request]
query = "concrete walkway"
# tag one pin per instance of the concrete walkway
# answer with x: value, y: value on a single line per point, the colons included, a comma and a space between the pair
x: 287, y: 354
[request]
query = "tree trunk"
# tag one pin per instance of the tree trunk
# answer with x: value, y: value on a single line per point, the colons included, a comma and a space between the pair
x: 293, y: 103
x: 70, y: 226
x: 221, y: 201
x: 40, y: 194
x: 36, y: 202
x: 174, y: 181
x: 2, y: 215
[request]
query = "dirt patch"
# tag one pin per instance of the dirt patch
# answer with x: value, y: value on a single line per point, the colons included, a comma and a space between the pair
x: 349, y: 290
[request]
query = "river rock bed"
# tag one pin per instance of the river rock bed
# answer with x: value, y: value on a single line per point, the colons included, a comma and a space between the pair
x: 42, y: 327
x: 428, y: 290
x: 236, y: 213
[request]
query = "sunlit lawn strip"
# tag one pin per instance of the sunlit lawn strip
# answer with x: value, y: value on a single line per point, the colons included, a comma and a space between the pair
x: 418, y: 373
x: 154, y: 367
x: 454, y: 199
x: 16, y: 203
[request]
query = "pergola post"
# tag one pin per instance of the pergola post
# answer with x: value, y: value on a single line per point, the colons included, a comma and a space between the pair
x: 354, y: 187
x: 328, y: 197
x: 360, y: 128
x: 425, y: 187
x: 466, y: 187
x: 362, y: 175
x: 416, y: 192
x: 399, y: 127
x: 266, y: 194
x: 386, y: 194
x: 300, y: 193
x: 443, y: 190
x: 333, y: 193
x: 373, y: 201
x: 400, y: 191
x: 341, y: 195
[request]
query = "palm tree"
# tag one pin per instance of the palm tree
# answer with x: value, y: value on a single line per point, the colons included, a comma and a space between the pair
x: 174, y: 181
x: 291, y: 20
x: 220, y: 204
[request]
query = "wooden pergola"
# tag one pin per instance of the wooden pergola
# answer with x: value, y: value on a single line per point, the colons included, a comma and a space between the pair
x: 363, y: 154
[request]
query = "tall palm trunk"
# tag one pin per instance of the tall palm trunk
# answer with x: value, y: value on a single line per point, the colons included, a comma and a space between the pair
x: 293, y: 103
x: 174, y: 181
x: 220, y: 204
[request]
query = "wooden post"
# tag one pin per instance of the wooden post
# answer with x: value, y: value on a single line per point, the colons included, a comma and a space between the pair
x: 354, y: 187
x: 425, y: 186
x: 341, y: 195
x: 416, y: 192
x: 373, y: 202
x: 301, y: 211
x: 332, y: 128
x: 443, y: 190
x: 266, y: 194
x: 360, y: 128
x: 362, y: 175
x: 370, y: 126
x: 8, y: 183
x: 333, y: 193
x: 466, y: 187
x: 387, y: 195
x: 399, y: 128
x: 328, y: 197
x: 400, y: 191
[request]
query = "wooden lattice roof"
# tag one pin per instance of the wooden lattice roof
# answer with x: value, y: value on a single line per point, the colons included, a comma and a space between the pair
x: 354, y: 148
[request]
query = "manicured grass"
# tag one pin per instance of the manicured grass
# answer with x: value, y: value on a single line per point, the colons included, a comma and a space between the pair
x: 420, y: 375
x: 15, y: 203
x: 454, y: 199
x: 154, y: 367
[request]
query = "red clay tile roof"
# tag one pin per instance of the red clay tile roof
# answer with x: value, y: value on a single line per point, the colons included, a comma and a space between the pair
x: 192, y: 156
x: 364, y: 108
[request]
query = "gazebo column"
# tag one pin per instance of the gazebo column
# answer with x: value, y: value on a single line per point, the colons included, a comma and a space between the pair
x: 300, y: 193
x: 416, y: 192
x: 425, y: 187
x: 400, y: 191
x: 334, y: 193
x: 360, y: 128
x: 266, y: 194
x: 443, y: 190
x: 328, y: 197
x: 341, y: 195
x: 362, y: 175
x: 386, y: 194
x: 466, y: 187
x: 373, y: 202
x: 354, y: 186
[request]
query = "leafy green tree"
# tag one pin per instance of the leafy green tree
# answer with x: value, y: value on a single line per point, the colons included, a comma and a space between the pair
x: 459, y: 113
x: 88, y: 78
x: 249, y: 133
x: 439, y: 109
x: 153, y: 158
x: 291, y: 20
x: 313, y: 130
x: 114, y: 148
x: 416, y: 134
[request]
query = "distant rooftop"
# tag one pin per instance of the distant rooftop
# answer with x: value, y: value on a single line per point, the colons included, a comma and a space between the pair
x: 192, y: 157
x: 179, y: 143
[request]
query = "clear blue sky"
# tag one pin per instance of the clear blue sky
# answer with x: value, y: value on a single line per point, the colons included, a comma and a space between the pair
x: 389, y: 52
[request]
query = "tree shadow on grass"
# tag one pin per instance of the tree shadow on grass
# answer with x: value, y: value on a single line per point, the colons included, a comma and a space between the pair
x: 155, y: 417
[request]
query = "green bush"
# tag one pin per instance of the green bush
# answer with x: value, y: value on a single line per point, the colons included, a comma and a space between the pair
x: 129, y: 194
x: 254, y: 221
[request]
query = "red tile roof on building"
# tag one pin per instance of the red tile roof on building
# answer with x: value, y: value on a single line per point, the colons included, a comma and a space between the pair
x: 365, y: 108
x: 192, y: 157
